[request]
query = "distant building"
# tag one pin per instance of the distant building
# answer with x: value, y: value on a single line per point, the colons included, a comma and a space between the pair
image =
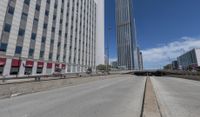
x: 126, y: 35
x: 189, y: 60
x: 114, y: 64
x: 106, y: 60
x: 175, y: 65
x: 168, y: 67
x: 41, y: 36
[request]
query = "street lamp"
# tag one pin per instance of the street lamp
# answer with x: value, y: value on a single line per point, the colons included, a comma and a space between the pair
x: 108, y: 48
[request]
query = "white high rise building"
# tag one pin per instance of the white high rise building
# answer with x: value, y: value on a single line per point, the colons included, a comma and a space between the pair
x: 189, y: 60
x: 43, y: 36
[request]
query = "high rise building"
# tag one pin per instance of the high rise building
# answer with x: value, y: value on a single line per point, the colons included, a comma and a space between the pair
x: 190, y: 60
x: 42, y: 36
x: 126, y: 35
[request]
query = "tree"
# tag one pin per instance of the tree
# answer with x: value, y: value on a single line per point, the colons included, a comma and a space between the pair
x: 103, y: 68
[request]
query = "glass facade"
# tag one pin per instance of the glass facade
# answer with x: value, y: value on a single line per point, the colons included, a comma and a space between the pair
x: 126, y: 35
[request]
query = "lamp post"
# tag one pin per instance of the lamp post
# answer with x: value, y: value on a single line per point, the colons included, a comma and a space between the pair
x: 108, y: 48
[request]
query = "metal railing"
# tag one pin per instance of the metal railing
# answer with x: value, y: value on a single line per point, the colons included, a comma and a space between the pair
x: 55, y: 76
x: 44, y: 77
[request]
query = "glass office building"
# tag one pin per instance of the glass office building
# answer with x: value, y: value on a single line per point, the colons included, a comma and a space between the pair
x: 126, y: 35
x: 190, y: 59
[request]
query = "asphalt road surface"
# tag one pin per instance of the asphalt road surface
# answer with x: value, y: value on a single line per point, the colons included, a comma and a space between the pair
x: 177, y: 97
x: 116, y: 97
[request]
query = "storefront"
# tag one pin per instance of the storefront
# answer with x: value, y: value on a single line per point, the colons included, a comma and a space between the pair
x: 40, y: 66
x: 57, y: 67
x: 28, y: 67
x: 63, y: 68
x: 15, y: 66
x: 49, y: 68
x: 2, y: 64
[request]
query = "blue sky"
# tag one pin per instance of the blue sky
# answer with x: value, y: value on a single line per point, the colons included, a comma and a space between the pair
x: 163, y: 26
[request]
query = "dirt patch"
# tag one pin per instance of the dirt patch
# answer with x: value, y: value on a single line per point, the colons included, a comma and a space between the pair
x: 150, y: 107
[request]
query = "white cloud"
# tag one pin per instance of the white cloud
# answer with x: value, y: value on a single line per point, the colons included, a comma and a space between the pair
x: 159, y: 56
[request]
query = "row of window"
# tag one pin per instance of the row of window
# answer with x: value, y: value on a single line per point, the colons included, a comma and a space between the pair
x: 21, y: 33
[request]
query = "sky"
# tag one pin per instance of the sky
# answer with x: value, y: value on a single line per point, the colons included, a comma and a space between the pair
x: 165, y: 29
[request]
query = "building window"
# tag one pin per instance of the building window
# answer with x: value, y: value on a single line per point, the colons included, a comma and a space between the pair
x: 3, y: 47
x: 31, y: 51
x: 46, y: 13
x: 54, y: 17
x: 41, y: 54
x: 58, y: 44
x: 18, y: 50
x: 55, y: 6
x: 50, y: 56
x: 60, y: 32
x: 39, y: 70
x: 21, y: 32
x: 11, y: 10
x: 37, y: 7
x: 33, y: 36
x: 7, y: 27
x: 52, y: 41
x: 58, y: 56
x: 48, y: 1
x: 43, y: 39
x: 35, y: 24
x: 24, y: 16
x: 27, y: 2
x: 53, y: 29
x: 35, y: 21
x: 14, y: 70
x: 45, y: 26
x: 1, y: 70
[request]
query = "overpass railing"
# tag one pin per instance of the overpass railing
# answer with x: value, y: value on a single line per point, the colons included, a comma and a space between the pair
x: 45, y: 77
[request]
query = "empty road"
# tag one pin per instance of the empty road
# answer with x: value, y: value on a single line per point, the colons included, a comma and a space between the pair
x: 177, y: 97
x: 117, y: 97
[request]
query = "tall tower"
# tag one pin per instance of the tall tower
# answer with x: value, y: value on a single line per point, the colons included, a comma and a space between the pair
x: 126, y: 35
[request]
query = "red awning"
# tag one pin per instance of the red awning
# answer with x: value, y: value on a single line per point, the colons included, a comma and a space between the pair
x: 2, y: 61
x: 57, y: 65
x: 16, y: 63
x: 40, y: 64
x: 29, y: 63
x: 63, y: 66
x: 49, y: 65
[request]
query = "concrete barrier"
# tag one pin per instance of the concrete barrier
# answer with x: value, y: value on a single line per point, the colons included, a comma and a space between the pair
x: 15, y: 89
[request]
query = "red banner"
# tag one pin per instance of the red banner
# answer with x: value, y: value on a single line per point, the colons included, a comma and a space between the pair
x: 2, y: 61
